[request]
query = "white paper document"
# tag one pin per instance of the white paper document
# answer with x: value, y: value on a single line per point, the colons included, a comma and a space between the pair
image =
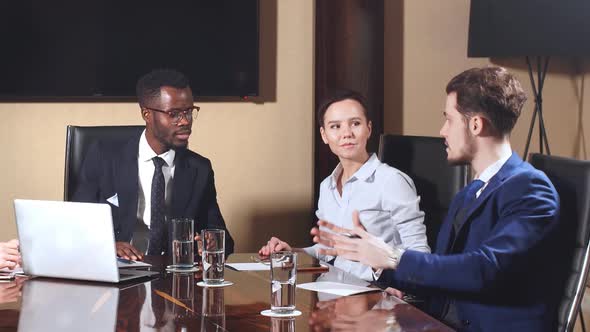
x: 249, y: 266
x: 336, y: 288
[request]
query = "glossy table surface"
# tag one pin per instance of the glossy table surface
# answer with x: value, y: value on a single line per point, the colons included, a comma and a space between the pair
x: 174, y: 302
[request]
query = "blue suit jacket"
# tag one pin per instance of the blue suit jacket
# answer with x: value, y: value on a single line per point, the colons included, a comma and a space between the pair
x: 497, y: 269
x: 110, y: 169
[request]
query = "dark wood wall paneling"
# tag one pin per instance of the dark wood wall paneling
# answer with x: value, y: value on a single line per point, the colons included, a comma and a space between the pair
x: 348, y: 54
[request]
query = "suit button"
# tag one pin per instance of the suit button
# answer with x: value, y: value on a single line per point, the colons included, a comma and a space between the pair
x: 465, y: 322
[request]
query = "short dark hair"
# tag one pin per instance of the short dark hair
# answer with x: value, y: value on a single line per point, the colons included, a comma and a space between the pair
x: 340, y: 95
x: 149, y: 85
x: 491, y: 92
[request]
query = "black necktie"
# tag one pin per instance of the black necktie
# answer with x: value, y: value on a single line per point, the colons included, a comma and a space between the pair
x: 450, y: 313
x: 158, y: 233
x: 471, y: 193
x: 468, y: 199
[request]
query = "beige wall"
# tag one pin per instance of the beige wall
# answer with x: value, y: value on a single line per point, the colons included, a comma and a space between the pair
x: 261, y: 153
x: 434, y: 49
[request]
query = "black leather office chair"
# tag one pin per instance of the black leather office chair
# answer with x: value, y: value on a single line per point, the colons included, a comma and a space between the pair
x: 424, y: 159
x: 571, y: 179
x: 78, y: 139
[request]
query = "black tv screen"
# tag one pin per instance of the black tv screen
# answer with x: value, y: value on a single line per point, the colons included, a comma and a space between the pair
x: 529, y: 28
x: 98, y: 49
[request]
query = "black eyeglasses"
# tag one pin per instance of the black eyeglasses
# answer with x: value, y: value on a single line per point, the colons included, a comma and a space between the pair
x: 189, y: 114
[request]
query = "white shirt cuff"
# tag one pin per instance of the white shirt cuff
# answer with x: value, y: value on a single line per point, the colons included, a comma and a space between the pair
x: 395, y: 257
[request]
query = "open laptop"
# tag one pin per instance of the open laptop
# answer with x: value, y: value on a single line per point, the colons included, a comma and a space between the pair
x: 69, y: 240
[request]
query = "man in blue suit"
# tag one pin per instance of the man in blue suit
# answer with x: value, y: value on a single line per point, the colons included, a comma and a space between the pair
x: 492, y: 267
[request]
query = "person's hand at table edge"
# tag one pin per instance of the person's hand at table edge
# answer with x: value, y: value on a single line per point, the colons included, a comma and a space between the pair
x: 9, y: 254
x: 273, y: 245
x: 127, y: 251
x: 199, y: 244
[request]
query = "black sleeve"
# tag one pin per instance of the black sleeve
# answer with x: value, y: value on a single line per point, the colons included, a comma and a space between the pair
x: 88, y: 183
x: 211, y: 213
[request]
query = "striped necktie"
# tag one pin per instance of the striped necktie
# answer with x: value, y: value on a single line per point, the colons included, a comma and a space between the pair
x: 158, y: 231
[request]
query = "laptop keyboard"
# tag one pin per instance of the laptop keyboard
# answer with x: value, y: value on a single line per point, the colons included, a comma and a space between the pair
x: 124, y: 275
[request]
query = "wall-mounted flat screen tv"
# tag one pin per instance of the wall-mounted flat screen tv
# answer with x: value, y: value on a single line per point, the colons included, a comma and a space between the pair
x: 97, y: 49
x: 499, y: 28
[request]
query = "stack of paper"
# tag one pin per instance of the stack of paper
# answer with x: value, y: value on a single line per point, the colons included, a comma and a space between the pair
x: 336, y: 288
x: 249, y: 266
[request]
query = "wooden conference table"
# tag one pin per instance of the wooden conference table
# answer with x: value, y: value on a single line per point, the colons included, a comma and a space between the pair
x: 173, y: 302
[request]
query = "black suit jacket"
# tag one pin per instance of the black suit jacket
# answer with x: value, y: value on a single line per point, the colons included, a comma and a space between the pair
x: 111, y: 169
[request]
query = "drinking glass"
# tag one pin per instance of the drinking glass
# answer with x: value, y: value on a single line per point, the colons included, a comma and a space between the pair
x: 213, y: 255
x: 183, y: 247
x: 283, y: 276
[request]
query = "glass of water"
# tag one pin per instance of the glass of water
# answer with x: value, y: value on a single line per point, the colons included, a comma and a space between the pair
x: 213, y: 255
x: 283, y: 276
x: 183, y: 246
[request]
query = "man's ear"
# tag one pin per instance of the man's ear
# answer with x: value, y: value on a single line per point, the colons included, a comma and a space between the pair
x: 370, y: 125
x: 477, y: 125
x: 145, y: 115
x: 323, y: 134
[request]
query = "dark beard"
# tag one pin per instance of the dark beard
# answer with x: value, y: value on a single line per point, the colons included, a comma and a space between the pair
x: 179, y: 147
x: 458, y: 162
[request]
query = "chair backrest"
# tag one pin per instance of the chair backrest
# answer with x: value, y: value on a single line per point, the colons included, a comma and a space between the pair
x: 79, y: 139
x: 571, y: 179
x: 424, y: 159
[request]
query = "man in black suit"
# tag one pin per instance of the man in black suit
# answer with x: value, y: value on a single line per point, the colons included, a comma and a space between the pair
x: 154, y: 177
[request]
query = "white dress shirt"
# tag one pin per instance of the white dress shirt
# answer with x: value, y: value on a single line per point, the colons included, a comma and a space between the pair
x: 491, y: 170
x: 145, y: 170
x: 385, y: 198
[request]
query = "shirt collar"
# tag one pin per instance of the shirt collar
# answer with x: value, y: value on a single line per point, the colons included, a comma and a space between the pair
x: 491, y: 170
x: 363, y: 173
x: 146, y: 153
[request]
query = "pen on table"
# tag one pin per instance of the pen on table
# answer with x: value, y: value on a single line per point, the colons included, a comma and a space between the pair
x: 265, y: 261
x: 126, y: 261
x: 313, y: 268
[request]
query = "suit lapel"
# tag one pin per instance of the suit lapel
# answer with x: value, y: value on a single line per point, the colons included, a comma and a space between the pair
x: 184, y: 177
x: 492, y: 186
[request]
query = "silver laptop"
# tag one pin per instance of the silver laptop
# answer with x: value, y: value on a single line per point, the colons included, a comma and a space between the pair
x: 69, y: 240
x: 68, y: 306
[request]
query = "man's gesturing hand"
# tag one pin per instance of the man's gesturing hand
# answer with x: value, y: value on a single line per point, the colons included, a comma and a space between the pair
x: 367, y: 249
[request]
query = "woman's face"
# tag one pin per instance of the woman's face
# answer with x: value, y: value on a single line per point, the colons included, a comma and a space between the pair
x: 346, y: 129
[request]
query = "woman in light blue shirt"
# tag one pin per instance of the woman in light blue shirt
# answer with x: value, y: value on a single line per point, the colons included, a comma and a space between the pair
x: 384, y: 196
